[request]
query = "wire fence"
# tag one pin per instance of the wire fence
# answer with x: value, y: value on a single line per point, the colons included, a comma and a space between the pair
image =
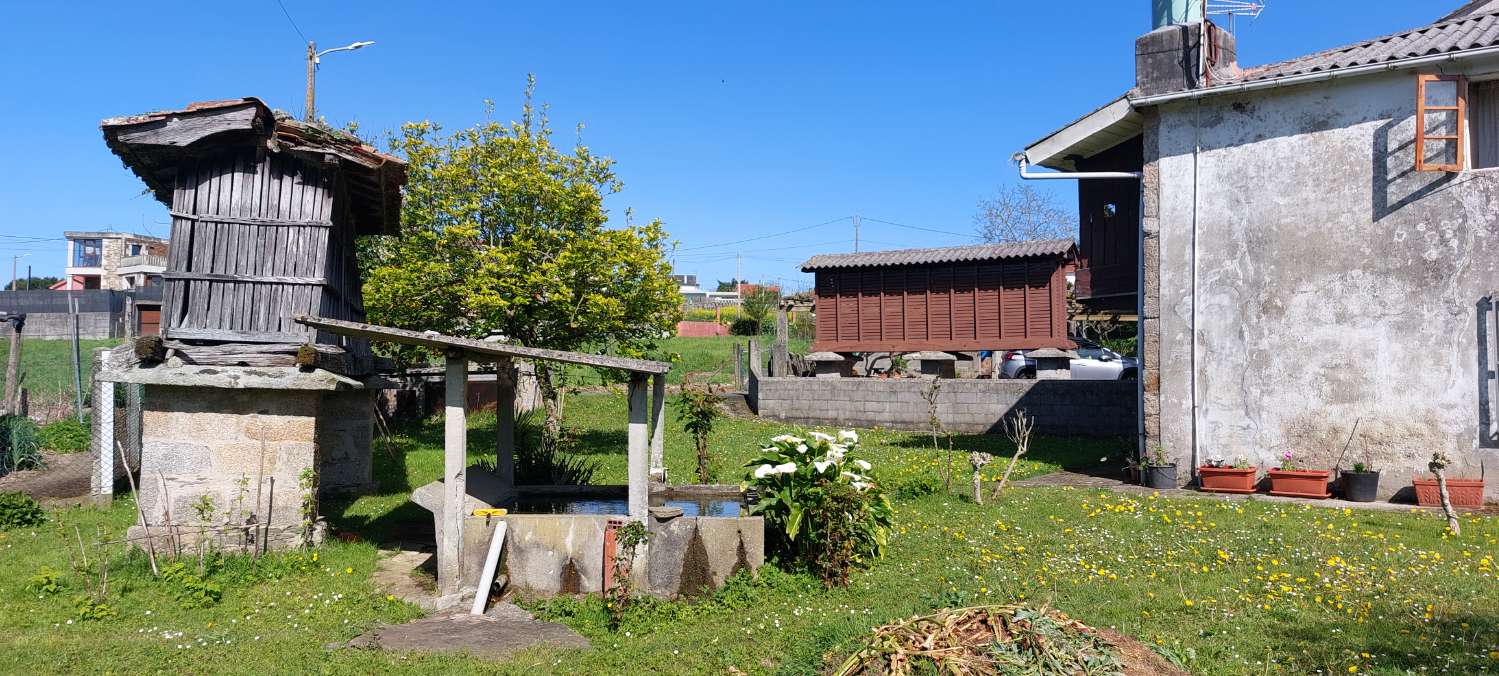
x: 60, y: 441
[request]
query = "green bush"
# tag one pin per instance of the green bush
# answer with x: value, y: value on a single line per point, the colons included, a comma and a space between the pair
x: 744, y: 326
x: 19, y: 444
x: 67, y: 435
x: 700, y: 314
x: 822, y: 511
x: 18, y: 510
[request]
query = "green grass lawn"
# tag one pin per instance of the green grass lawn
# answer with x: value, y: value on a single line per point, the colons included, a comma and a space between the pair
x: 1226, y: 587
x: 710, y: 357
x: 48, y: 366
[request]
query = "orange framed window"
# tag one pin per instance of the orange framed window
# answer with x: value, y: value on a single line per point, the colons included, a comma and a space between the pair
x: 1441, y: 122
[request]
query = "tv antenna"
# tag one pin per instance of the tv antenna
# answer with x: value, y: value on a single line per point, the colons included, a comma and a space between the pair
x: 1232, y: 9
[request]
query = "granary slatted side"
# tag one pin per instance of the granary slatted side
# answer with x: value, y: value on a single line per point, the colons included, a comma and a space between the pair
x: 264, y: 215
x: 249, y: 232
x: 997, y: 304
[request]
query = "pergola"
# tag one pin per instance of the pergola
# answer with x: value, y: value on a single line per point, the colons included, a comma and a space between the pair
x: 644, y: 464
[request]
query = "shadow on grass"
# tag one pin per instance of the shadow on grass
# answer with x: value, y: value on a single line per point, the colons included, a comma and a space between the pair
x: 597, y: 442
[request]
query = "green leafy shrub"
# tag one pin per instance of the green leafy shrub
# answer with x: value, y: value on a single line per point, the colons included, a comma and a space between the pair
x: 18, y: 510
x: 45, y: 581
x: 700, y: 314
x: 697, y: 409
x: 190, y: 590
x: 538, y: 463
x: 917, y: 486
x: 744, y: 326
x: 66, y: 435
x: 821, y: 510
x: 88, y: 608
x: 20, y: 447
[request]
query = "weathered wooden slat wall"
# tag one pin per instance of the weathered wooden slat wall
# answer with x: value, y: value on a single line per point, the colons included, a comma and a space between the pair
x: 258, y: 238
x: 999, y: 304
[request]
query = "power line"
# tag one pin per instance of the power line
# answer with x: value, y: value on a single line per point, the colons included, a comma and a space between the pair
x: 774, y: 234
x: 711, y: 254
x: 913, y: 227
x: 292, y: 21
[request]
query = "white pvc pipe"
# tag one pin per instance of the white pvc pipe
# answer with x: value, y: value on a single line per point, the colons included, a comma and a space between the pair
x: 491, y: 562
x: 1028, y: 175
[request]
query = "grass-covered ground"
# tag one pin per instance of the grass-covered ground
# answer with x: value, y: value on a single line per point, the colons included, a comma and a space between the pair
x: 1225, y: 587
x: 48, y: 366
x: 708, y: 358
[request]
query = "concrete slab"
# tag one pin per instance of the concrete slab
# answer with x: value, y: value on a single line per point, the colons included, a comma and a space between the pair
x: 504, y: 630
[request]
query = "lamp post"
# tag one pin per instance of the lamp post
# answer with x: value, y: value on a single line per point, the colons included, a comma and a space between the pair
x: 14, y: 280
x: 314, y: 57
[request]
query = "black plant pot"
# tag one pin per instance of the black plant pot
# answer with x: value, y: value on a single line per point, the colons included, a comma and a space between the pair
x: 1160, y: 476
x: 1360, y: 486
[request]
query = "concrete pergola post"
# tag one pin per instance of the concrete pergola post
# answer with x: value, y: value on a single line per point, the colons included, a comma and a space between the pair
x: 455, y: 480
x: 504, y: 424
x: 639, y: 459
x: 658, y: 427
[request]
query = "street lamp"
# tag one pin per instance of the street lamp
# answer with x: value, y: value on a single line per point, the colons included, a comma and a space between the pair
x: 14, y: 281
x: 314, y: 57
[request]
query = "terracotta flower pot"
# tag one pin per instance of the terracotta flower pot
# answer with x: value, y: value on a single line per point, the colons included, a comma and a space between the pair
x: 1463, y: 492
x: 1300, y: 483
x: 1228, y: 479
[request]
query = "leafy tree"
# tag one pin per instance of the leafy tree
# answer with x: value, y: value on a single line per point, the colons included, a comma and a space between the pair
x: 757, y: 304
x: 730, y: 285
x: 504, y: 233
x: 1017, y: 214
x: 34, y: 283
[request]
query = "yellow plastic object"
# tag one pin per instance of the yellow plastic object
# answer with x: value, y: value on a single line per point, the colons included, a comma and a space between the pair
x: 491, y: 512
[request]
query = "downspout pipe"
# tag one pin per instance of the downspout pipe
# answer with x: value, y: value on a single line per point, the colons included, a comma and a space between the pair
x: 1023, y: 163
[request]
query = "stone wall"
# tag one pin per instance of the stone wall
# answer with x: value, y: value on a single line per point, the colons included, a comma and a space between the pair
x: 1301, y: 277
x: 1060, y: 407
x: 244, y: 451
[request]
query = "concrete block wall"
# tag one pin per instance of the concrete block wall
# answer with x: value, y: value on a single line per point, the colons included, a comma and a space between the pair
x: 1060, y: 407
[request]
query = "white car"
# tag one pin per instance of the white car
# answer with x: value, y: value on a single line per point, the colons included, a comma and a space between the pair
x: 1093, y: 362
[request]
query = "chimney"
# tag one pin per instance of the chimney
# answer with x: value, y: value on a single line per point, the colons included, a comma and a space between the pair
x: 1167, y: 59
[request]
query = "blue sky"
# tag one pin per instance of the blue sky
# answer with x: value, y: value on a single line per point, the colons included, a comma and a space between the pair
x: 728, y: 120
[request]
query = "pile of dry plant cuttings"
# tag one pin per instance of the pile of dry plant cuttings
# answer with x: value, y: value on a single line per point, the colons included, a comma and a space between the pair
x: 1009, y: 639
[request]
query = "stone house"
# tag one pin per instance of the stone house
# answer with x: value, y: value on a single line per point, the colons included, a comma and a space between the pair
x: 112, y: 260
x: 1316, y: 242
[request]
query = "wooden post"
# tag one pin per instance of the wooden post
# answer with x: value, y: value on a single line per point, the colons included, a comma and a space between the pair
x: 638, y: 457
x: 738, y: 366
x: 658, y: 427
x: 455, y: 482
x: 504, y: 413
x: 780, y: 354
x: 12, y: 368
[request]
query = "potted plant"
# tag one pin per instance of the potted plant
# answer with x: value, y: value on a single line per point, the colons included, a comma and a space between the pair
x: 1158, y: 471
x: 1220, y: 477
x: 1462, y: 492
x: 1291, y: 481
x: 1360, y: 484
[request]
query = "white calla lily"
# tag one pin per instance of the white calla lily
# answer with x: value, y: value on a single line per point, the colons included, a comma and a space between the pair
x: 785, y: 468
x: 764, y: 471
x: 848, y: 437
x: 863, y: 464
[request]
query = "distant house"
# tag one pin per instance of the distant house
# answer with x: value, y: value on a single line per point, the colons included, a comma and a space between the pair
x: 112, y: 260
x: 965, y: 298
x: 1318, y: 248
